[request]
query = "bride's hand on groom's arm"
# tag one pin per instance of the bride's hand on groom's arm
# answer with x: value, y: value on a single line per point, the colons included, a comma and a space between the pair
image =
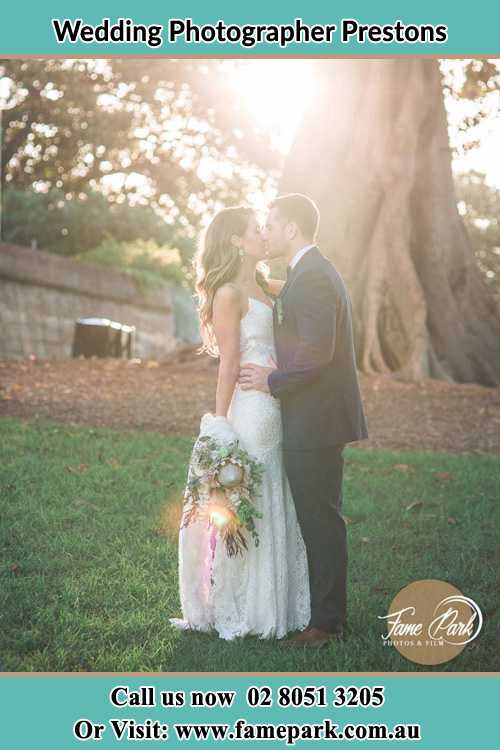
x: 254, y: 377
x: 275, y: 286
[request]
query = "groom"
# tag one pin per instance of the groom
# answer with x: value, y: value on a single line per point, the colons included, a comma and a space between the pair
x: 317, y: 385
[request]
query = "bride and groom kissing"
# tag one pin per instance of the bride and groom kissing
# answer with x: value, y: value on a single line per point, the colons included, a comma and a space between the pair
x: 288, y: 391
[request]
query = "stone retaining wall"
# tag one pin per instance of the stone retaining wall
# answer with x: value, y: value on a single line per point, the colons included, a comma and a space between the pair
x: 42, y: 295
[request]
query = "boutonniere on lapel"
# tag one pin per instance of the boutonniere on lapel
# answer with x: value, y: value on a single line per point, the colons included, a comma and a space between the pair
x: 279, y: 310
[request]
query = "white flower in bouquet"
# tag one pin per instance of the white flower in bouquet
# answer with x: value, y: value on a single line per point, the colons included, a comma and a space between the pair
x: 230, y: 474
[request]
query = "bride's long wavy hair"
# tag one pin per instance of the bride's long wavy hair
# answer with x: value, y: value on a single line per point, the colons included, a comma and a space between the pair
x: 217, y: 262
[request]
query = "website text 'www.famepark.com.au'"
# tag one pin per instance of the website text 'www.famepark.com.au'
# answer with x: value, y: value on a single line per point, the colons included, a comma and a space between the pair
x: 291, y: 733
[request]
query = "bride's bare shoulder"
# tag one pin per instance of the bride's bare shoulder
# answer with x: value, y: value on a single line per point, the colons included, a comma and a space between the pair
x: 227, y: 298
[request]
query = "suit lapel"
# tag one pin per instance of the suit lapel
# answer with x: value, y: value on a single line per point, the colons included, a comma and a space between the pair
x: 286, y: 284
x: 298, y: 266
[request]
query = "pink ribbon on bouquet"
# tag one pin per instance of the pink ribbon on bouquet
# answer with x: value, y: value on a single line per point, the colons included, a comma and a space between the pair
x: 209, y: 562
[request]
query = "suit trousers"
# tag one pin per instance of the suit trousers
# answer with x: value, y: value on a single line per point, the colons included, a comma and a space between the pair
x: 315, y: 478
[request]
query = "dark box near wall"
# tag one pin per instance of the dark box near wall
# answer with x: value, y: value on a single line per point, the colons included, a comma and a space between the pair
x: 101, y: 337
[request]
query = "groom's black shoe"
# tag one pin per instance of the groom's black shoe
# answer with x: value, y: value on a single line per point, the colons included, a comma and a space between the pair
x: 315, y: 638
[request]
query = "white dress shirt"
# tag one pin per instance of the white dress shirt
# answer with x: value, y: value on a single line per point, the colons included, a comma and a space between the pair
x: 298, y: 255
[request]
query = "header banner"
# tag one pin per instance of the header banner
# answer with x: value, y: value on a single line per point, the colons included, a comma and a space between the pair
x: 224, y: 29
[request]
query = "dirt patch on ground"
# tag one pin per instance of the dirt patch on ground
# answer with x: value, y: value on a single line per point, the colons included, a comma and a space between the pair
x: 171, y: 396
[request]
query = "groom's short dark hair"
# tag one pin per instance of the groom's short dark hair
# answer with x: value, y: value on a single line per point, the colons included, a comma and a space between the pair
x: 300, y: 209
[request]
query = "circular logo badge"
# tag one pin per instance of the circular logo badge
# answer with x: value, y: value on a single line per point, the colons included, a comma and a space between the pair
x: 431, y: 622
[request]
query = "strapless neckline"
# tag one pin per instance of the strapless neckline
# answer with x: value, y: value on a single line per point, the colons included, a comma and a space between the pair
x: 254, y: 299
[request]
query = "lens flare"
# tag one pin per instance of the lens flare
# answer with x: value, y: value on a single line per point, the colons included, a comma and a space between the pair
x: 219, y: 517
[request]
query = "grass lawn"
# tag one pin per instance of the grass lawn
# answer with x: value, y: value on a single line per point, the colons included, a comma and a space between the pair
x: 88, y: 559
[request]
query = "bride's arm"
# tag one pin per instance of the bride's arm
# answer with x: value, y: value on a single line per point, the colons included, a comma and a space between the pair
x: 226, y: 324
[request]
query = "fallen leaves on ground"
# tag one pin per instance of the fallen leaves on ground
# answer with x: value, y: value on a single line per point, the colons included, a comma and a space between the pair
x: 172, y: 394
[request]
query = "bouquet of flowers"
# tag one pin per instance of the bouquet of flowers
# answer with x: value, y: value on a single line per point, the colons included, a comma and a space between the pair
x: 223, y: 480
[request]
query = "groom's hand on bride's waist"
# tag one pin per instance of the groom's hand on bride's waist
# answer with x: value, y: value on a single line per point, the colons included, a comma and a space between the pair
x: 254, y: 377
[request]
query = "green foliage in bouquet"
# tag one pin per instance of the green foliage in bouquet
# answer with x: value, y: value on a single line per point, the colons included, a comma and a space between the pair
x: 223, y: 482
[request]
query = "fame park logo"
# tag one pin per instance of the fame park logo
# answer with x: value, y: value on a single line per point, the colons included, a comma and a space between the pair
x: 431, y: 622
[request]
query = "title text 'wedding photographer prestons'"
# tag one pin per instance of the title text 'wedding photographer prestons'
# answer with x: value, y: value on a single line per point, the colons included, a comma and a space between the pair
x: 185, y: 31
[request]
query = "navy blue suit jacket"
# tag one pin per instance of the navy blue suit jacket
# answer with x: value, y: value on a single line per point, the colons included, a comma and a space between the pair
x: 316, y: 380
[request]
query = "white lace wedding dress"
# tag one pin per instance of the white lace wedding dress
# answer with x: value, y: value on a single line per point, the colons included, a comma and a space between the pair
x: 264, y: 592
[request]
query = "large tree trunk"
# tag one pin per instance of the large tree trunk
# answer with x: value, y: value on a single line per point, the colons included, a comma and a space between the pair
x: 373, y: 151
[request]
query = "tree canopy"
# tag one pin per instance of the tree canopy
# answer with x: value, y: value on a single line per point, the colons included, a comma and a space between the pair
x: 162, y: 133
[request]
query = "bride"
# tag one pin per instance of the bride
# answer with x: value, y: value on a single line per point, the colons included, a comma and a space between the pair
x: 265, y: 591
